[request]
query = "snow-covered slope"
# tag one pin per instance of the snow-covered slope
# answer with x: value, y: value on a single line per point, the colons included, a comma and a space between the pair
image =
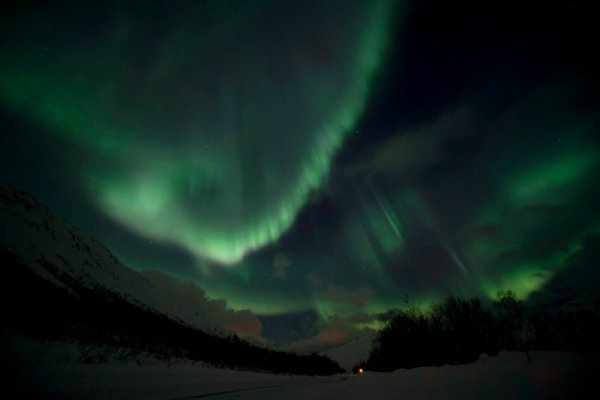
x: 186, y: 294
x: 51, y: 247
x: 351, y: 353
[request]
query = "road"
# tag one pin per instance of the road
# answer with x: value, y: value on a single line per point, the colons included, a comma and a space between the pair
x: 308, y: 389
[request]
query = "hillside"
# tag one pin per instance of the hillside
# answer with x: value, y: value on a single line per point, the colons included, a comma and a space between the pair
x: 51, y: 247
x: 60, y: 284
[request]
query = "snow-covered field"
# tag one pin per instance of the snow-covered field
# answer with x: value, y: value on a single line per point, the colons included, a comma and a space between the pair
x: 54, y: 370
x: 507, y: 376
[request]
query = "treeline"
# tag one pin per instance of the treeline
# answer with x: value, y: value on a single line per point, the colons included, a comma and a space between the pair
x: 458, y: 331
x: 98, y: 320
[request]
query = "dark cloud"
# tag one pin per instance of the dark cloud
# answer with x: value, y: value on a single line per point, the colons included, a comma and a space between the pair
x: 412, y: 150
x: 281, y: 263
x: 289, y: 327
x: 487, y: 232
x: 579, y: 276
x: 361, y: 318
x: 345, y: 297
x: 546, y: 209
x: 216, y: 311
x: 336, y: 330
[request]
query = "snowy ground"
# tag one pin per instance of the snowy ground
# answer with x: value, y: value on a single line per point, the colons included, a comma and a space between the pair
x: 508, y: 376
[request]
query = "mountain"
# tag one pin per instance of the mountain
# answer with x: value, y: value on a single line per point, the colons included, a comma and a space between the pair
x: 186, y: 295
x: 51, y: 247
x: 59, y: 283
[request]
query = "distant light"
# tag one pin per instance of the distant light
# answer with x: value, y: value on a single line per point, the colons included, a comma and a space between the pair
x: 360, y: 370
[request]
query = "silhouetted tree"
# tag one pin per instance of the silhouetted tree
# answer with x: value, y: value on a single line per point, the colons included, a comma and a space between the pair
x: 457, y: 331
x: 100, y: 321
x: 510, y: 320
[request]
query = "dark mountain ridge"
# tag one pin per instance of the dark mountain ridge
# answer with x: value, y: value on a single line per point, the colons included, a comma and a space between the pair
x: 61, y: 285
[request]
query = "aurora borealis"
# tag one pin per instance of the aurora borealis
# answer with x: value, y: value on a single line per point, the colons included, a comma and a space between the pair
x: 207, y: 176
x: 315, y: 161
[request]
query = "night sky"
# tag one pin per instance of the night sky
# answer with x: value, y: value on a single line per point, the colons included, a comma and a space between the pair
x: 316, y: 162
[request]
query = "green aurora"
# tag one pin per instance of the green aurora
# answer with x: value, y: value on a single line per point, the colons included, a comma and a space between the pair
x: 256, y: 144
x: 309, y: 156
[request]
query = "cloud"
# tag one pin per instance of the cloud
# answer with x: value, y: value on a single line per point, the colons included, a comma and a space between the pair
x: 314, y: 280
x: 361, y: 318
x: 186, y: 293
x: 281, y: 263
x: 337, y: 330
x: 416, y: 149
x: 487, y: 232
x: 578, y: 276
x: 244, y: 323
x: 543, y: 209
x: 329, y: 337
x: 289, y: 327
x: 347, y: 297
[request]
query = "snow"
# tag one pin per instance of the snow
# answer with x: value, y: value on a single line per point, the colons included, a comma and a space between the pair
x: 30, y: 230
x: 507, y: 376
